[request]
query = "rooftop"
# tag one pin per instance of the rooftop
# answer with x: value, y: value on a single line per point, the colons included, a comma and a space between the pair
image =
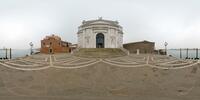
x: 52, y: 36
x: 100, y: 20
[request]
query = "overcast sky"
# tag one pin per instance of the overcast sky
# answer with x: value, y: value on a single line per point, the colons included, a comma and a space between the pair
x: 174, y: 21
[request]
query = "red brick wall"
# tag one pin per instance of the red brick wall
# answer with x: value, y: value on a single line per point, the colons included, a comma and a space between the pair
x: 56, y: 46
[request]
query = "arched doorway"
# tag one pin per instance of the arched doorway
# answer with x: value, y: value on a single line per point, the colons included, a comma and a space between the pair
x: 50, y: 50
x: 99, y: 40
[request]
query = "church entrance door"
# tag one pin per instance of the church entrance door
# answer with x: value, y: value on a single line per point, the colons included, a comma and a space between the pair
x: 99, y: 40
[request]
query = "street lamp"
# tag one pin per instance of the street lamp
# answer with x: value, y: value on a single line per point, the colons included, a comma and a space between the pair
x: 31, y: 44
x: 166, y: 47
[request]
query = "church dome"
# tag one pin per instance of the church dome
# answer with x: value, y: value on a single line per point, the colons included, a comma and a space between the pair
x: 100, y: 23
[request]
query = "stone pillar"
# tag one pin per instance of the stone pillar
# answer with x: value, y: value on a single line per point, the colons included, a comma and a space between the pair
x: 10, y: 53
x: 138, y: 51
x: 6, y: 54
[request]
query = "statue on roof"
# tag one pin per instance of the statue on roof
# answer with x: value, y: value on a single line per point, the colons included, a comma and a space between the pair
x: 100, y: 18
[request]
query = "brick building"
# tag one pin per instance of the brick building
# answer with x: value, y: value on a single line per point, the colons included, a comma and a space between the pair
x: 54, y: 44
x: 142, y: 47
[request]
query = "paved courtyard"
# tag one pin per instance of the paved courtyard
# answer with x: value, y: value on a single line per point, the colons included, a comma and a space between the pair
x: 133, y: 77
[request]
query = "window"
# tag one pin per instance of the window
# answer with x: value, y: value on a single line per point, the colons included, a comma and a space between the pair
x: 50, y: 43
x: 44, y: 44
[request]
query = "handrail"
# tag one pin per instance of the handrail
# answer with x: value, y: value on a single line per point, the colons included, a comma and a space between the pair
x: 75, y: 50
x: 125, y: 50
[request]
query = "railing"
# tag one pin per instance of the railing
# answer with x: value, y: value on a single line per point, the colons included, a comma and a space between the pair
x: 188, y: 53
x: 75, y: 50
x: 7, y: 53
x: 125, y: 50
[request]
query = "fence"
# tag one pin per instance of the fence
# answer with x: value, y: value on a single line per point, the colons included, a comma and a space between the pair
x: 5, y: 54
x: 184, y: 53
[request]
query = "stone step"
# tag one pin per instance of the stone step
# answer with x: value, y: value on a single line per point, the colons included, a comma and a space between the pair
x: 99, y: 52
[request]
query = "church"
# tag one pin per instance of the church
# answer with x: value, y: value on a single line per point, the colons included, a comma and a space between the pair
x: 53, y: 44
x: 100, y: 33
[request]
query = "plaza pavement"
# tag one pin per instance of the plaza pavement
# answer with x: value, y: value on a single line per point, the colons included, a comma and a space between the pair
x: 133, y: 77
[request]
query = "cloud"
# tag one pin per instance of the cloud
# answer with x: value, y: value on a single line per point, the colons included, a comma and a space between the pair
x: 174, y: 21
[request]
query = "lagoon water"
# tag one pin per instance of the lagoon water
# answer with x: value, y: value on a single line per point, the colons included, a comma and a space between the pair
x: 176, y: 53
x: 15, y: 53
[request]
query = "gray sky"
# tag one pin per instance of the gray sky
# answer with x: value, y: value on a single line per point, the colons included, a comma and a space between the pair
x: 174, y: 21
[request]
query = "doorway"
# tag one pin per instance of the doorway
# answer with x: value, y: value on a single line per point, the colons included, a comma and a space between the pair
x: 50, y: 51
x: 100, y: 40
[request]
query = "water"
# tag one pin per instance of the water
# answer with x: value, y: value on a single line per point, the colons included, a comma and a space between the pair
x: 15, y: 53
x: 176, y: 53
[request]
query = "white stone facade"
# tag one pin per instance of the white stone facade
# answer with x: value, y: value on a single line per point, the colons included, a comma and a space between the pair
x: 100, y: 34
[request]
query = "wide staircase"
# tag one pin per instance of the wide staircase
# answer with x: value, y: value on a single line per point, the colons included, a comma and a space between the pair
x: 99, y: 53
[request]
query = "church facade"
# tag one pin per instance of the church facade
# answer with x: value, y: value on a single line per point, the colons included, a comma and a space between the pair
x: 100, y: 33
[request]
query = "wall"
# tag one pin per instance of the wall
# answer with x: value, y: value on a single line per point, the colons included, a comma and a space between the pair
x: 56, y: 46
x: 112, y: 39
x: 144, y: 47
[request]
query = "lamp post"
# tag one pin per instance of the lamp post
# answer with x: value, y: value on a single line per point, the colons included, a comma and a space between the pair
x: 166, y: 47
x: 31, y: 44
